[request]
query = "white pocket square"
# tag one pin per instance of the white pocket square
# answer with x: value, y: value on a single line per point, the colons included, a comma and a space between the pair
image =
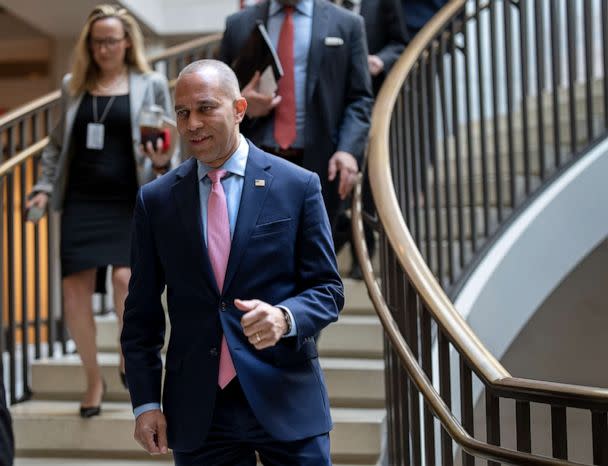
x: 334, y: 41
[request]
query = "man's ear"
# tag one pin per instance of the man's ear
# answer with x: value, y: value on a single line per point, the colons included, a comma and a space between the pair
x: 240, y: 107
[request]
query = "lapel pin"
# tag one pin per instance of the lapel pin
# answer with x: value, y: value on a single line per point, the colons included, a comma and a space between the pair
x: 260, y: 183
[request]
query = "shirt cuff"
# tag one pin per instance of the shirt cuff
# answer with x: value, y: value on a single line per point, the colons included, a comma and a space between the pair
x: 294, y: 327
x: 145, y: 408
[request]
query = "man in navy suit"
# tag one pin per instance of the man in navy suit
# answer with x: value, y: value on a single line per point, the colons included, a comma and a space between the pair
x: 242, y: 242
x: 331, y: 89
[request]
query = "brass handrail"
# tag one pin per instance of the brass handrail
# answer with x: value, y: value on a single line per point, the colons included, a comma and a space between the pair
x: 22, y: 156
x: 409, y: 256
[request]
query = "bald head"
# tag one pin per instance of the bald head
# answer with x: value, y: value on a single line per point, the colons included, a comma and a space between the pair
x: 215, y: 69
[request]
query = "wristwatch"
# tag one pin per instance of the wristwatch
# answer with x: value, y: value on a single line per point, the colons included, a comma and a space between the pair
x: 287, y: 321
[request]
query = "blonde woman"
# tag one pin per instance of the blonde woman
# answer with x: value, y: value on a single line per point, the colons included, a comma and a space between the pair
x: 92, y: 168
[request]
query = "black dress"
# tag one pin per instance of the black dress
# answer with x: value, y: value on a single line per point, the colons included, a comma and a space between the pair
x: 100, y: 192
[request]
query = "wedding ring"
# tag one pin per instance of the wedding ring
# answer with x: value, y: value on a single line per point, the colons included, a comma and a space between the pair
x: 257, y: 336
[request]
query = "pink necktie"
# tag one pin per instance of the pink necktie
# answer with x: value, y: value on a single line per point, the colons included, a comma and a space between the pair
x: 218, y: 245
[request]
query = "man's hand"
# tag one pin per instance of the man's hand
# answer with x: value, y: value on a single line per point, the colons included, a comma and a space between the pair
x: 263, y: 324
x: 151, y: 432
x: 375, y: 65
x: 258, y: 104
x: 345, y: 164
x: 39, y: 200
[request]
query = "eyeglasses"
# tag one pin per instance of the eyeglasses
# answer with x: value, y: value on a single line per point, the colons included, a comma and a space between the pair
x: 108, y: 42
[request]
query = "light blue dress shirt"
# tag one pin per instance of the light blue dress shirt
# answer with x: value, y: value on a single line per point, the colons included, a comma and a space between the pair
x: 233, y: 188
x: 302, y: 23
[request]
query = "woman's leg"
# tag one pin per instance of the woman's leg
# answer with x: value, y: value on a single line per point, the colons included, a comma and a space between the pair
x: 78, y: 310
x: 120, y: 284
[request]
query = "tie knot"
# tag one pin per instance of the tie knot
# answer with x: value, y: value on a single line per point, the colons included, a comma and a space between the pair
x: 288, y: 10
x: 216, y: 175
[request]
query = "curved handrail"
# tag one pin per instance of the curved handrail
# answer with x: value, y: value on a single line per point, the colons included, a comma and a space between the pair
x: 409, y: 256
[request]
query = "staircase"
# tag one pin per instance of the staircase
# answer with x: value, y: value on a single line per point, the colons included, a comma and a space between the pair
x: 49, y: 431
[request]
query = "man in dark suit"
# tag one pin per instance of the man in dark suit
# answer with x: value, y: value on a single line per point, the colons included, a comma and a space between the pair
x: 6, y: 430
x: 320, y: 116
x: 386, y: 40
x: 418, y: 12
x: 243, y: 244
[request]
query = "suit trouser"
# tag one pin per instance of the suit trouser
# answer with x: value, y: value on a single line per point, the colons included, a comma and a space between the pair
x: 235, y: 436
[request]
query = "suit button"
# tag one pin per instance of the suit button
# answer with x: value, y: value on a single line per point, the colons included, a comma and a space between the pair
x: 213, y: 351
x: 222, y: 306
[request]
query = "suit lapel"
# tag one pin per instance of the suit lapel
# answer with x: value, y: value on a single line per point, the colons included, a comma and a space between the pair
x: 320, y: 23
x: 252, y: 201
x: 187, y: 199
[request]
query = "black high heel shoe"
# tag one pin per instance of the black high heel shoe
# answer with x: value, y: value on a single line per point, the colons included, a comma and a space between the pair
x: 90, y: 411
x: 123, y: 379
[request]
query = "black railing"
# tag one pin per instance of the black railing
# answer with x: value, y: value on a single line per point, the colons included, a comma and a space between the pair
x: 31, y: 318
x: 490, y: 103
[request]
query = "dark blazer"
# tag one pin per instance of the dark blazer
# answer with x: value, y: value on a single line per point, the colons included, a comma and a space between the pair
x: 386, y: 33
x: 418, y: 12
x: 6, y: 430
x: 282, y: 253
x: 338, y: 88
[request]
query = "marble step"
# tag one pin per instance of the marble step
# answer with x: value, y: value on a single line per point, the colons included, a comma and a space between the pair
x: 351, y: 382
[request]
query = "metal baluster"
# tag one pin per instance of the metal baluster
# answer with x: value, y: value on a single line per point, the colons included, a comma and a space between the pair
x: 599, y: 430
x: 466, y: 406
x: 495, y: 108
x: 12, y: 328
x: 426, y: 350
x: 447, y: 180
x: 588, y: 32
x: 435, y: 162
x: 523, y: 40
x: 471, y: 164
x: 559, y: 432
x: 482, y: 124
x: 414, y: 132
x: 572, y: 74
x: 522, y: 426
x: 509, y: 83
x: 492, y: 421
x: 447, y: 455
x: 424, y: 164
x: 414, y: 395
x: 556, y: 79
x: 457, y: 150
x: 540, y: 79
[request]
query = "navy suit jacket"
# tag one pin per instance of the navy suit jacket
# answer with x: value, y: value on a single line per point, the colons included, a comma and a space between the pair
x: 338, y: 87
x: 282, y: 253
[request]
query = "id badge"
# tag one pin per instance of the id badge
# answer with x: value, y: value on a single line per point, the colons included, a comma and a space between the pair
x: 95, y: 133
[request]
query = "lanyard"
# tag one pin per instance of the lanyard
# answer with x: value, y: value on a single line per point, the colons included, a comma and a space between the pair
x: 105, y: 110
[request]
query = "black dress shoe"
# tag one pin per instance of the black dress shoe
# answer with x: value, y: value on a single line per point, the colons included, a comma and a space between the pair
x: 123, y: 379
x: 90, y: 411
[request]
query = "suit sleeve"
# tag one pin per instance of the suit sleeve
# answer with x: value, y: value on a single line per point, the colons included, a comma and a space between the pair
x: 358, y: 99
x: 322, y: 297
x: 397, y: 34
x: 143, y: 332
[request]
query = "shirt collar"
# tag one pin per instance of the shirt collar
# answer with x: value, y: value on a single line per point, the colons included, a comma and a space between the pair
x: 234, y: 165
x: 303, y: 7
